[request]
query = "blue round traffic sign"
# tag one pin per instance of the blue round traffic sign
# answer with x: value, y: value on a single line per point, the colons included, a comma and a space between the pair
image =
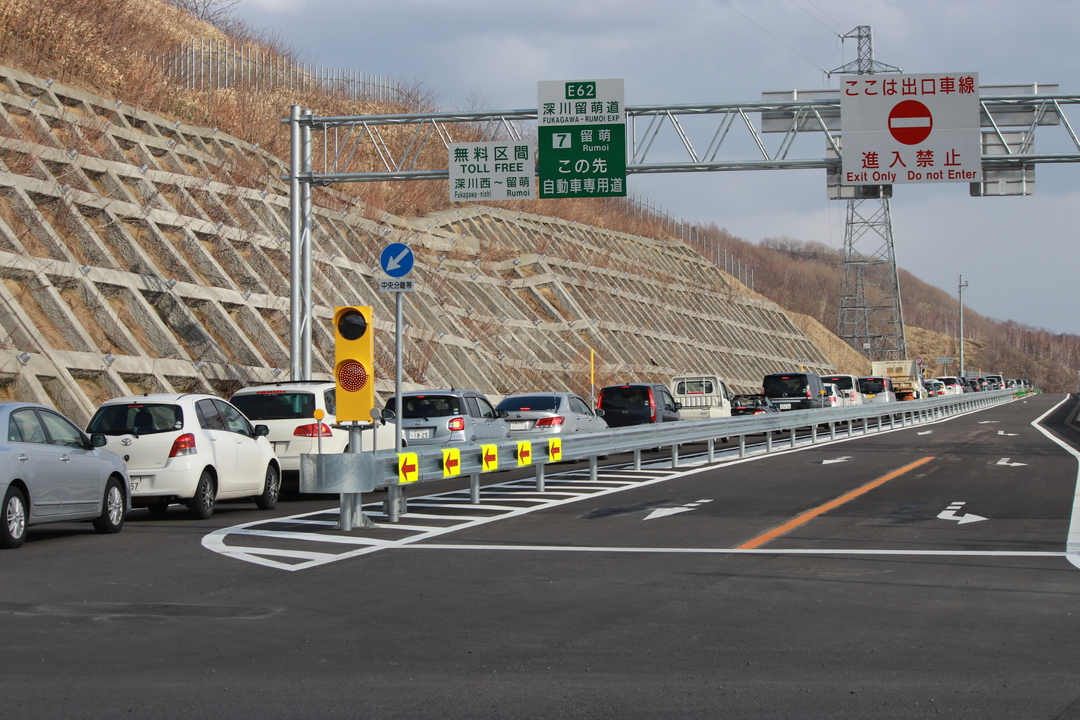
x: 397, y: 260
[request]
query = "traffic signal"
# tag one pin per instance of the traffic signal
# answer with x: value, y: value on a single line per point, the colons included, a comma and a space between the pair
x: 354, y: 363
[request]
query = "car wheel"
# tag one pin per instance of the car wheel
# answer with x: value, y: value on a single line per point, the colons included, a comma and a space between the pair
x: 112, y: 509
x: 13, y: 526
x: 271, y: 489
x: 202, y: 505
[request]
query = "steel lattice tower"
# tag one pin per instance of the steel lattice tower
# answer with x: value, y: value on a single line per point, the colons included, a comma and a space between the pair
x: 870, y: 317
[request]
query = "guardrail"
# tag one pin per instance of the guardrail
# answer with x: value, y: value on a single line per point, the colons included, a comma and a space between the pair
x: 351, y: 474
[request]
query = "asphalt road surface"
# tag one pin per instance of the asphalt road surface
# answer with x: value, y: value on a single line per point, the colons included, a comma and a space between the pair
x: 908, y: 574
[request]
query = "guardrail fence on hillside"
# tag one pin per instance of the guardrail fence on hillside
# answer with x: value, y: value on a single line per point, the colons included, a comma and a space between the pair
x: 205, y: 64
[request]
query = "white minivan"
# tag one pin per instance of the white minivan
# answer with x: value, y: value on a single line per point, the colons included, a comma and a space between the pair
x: 848, y: 386
x: 877, y: 389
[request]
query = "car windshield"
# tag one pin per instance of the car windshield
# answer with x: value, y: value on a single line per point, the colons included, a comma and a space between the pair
x: 748, y: 400
x: 275, y: 405
x: 872, y: 386
x: 699, y: 386
x: 625, y: 397
x: 531, y: 403
x: 784, y: 385
x: 427, y: 406
x: 841, y: 381
x: 136, y: 419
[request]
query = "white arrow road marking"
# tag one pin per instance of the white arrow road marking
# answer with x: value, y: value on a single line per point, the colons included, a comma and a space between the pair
x: 395, y: 262
x: 950, y: 514
x: 1002, y: 432
x: 836, y: 460
x: 1005, y: 461
x: 664, y: 512
x: 927, y: 432
x: 987, y: 422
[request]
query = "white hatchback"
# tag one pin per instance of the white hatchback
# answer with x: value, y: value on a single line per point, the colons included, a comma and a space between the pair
x: 288, y: 410
x: 189, y: 448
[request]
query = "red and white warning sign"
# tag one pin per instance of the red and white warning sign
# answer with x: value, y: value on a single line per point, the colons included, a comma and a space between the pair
x: 910, y: 128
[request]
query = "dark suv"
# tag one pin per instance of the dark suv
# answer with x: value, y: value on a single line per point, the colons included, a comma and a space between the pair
x: 638, y: 404
x: 795, y: 391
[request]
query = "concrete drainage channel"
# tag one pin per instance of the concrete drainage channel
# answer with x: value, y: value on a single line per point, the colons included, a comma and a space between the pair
x: 311, y: 539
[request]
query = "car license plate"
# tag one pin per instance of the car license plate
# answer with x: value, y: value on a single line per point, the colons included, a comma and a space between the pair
x: 785, y: 406
x: 423, y: 434
x: 134, y: 482
x: 870, y: 395
x: 519, y: 426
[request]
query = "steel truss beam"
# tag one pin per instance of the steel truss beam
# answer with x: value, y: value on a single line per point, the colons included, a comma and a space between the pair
x: 344, y: 136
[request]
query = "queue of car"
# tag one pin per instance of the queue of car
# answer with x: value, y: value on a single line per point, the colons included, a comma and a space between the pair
x: 155, y: 450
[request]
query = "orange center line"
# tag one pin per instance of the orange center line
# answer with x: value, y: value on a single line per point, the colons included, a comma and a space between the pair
x: 811, y: 514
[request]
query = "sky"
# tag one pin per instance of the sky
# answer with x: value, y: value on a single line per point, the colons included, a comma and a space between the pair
x: 1018, y: 254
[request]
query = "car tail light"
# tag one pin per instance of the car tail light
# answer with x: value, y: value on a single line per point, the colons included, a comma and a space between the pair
x: 312, y: 430
x: 457, y: 423
x: 760, y: 412
x: 550, y: 422
x: 652, y: 406
x: 600, y: 400
x: 183, y: 445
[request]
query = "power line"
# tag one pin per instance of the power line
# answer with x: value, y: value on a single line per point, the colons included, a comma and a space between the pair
x: 774, y: 37
x: 834, y: 20
x: 815, y: 18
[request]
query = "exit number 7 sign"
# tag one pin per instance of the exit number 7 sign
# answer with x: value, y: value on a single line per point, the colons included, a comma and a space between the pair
x: 581, y: 138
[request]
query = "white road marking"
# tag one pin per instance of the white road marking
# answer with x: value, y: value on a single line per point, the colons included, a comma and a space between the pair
x: 950, y: 514
x: 1005, y: 461
x: 1002, y: 432
x: 927, y: 432
x: 615, y: 480
x: 737, y: 551
x: 664, y: 512
x: 836, y: 460
x: 988, y: 422
x: 1072, y: 545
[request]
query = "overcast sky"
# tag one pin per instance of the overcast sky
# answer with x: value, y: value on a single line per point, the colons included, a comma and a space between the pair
x: 1019, y: 254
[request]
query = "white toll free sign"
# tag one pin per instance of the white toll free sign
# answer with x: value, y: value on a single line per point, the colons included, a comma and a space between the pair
x: 492, y: 171
x: 910, y: 128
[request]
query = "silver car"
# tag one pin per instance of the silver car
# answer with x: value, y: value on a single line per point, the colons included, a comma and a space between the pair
x: 50, y: 471
x: 440, y: 417
x: 556, y: 413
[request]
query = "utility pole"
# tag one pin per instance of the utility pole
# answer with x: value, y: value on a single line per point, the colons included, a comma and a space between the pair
x: 961, y: 287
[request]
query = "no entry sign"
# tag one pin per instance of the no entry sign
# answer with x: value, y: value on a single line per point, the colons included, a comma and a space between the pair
x: 910, y: 128
x: 910, y: 122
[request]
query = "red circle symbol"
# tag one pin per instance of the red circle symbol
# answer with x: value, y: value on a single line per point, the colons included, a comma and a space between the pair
x: 910, y: 122
x: 352, y: 376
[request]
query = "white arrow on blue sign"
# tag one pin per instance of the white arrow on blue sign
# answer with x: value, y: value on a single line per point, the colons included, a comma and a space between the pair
x: 397, y: 260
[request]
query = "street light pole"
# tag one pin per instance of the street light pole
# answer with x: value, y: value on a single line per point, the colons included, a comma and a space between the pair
x: 961, y: 287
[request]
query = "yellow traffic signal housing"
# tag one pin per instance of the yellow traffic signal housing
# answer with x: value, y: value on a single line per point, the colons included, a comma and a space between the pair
x: 354, y: 363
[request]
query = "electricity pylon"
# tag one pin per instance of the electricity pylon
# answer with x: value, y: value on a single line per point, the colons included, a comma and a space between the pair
x: 870, y: 318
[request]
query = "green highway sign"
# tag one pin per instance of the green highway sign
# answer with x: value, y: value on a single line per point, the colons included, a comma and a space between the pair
x: 581, y: 139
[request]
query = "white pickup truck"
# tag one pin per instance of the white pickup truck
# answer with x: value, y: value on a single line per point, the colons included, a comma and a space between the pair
x: 702, y: 396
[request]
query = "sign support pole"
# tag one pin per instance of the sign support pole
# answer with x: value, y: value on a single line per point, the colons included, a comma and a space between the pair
x: 395, y: 498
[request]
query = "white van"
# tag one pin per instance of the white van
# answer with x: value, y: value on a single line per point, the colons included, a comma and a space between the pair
x: 848, y: 385
x: 876, y: 389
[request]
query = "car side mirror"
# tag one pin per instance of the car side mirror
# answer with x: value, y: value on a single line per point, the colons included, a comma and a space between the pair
x: 502, y: 413
x: 385, y: 414
x: 599, y: 412
x: 262, y: 430
x: 678, y: 406
x: 98, y: 440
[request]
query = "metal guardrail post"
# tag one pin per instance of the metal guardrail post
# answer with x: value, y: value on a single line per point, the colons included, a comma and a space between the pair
x: 592, y: 465
x: 768, y: 441
x: 474, y: 489
x: 832, y: 430
x: 813, y: 434
x: 674, y: 455
x: 742, y: 446
x: 712, y: 446
x: 637, y: 460
x: 540, y: 477
x: 793, y: 434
